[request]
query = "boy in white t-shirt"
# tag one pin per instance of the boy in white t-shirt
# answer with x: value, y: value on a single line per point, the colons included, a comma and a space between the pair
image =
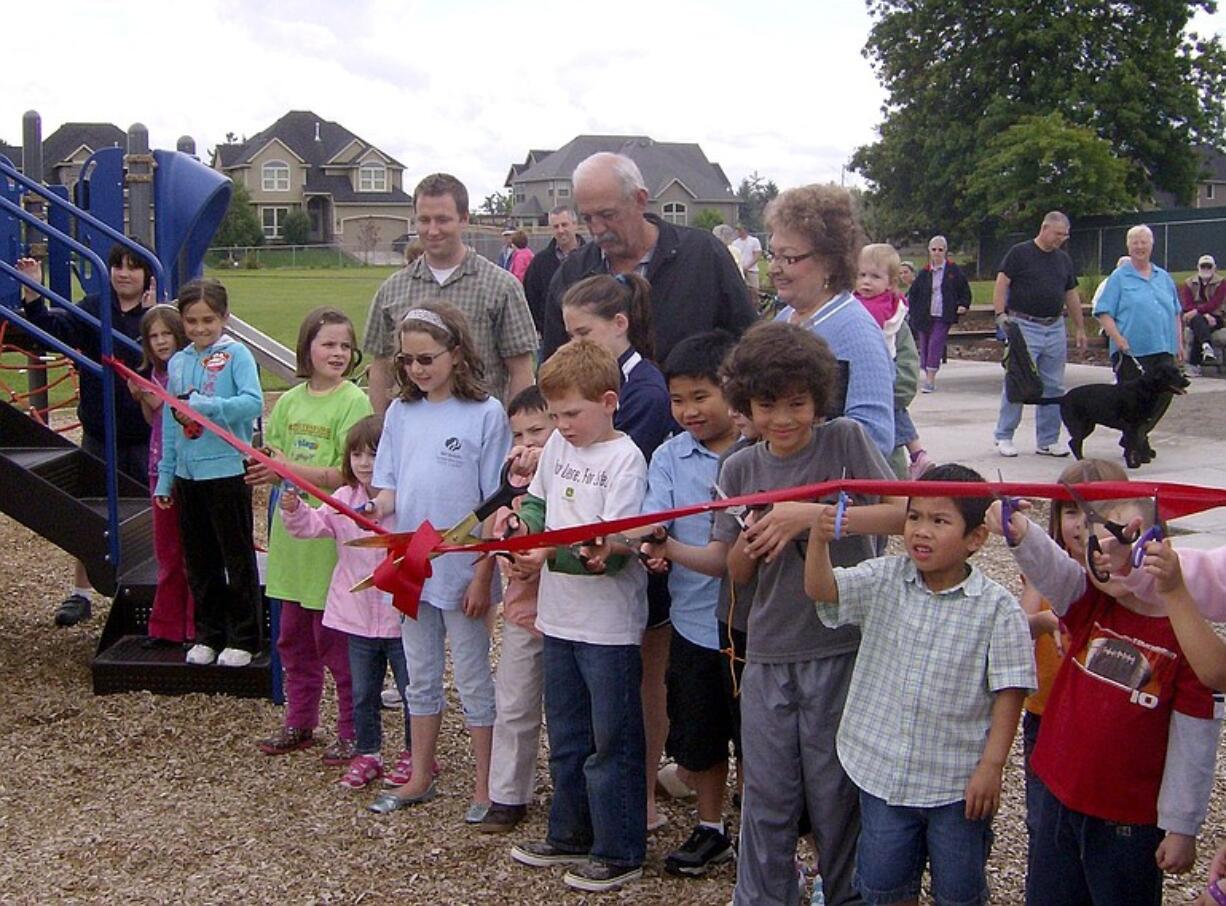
x: 591, y: 610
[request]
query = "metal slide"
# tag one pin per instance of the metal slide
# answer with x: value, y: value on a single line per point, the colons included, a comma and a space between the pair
x: 270, y: 355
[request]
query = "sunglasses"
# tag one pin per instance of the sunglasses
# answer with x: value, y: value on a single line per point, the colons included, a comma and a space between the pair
x: 425, y: 360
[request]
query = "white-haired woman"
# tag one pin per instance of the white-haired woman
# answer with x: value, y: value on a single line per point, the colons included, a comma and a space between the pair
x: 1140, y: 313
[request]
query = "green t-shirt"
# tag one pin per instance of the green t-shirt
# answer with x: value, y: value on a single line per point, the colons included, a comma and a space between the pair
x: 310, y: 430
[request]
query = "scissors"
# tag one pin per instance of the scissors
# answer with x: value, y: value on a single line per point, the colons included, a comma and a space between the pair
x: 1093, y: 546
x: 840, y: 511
x: 741, y: 514
x: 1008, y: 506
x: 463, y: 532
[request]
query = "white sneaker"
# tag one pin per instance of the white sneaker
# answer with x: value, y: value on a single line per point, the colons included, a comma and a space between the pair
x: 1006, y: 448
x: 233, y: 657
x: 1192, y: 370
x: 1208, y: 354
x: 201, y: 654
x: 1051, y: 450
x: 391, y: 698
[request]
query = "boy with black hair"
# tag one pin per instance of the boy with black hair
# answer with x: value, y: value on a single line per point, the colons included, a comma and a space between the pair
x: 683, y: 471
x: 945, y: 661
x: 130, y: 294
x: 518, y: 684
x: 591, y: 610
x: 797, y: 670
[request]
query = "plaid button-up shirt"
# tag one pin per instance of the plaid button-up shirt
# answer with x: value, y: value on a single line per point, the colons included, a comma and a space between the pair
x: 490, y: 297
x: 920, y: 703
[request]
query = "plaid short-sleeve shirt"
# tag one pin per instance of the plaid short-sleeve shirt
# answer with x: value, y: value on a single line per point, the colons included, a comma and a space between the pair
x: 920, y: 703
x: 490, y: 297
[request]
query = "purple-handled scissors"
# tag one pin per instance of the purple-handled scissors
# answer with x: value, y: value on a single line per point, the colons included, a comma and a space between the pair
x: 1008, y: 506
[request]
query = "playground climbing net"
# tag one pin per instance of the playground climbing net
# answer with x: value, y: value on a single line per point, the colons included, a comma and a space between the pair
x: 17, y: 360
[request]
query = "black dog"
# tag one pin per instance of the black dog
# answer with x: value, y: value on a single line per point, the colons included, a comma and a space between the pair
x: 1128, y: 407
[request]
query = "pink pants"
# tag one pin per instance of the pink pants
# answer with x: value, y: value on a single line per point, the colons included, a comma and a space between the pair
x: 306, y: 646
x: 173, y: 614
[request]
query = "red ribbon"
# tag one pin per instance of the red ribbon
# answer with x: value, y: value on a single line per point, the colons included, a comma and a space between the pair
x: 407, y: 565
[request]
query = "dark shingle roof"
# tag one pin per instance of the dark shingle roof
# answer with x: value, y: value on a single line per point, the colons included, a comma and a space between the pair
x: 660, y: 163
x: 342, y: 191
x: 61, y: 143
x: 296, y: 130
x: 13, y: 153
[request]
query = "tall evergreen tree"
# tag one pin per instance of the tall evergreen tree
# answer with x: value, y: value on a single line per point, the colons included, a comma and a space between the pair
x: 960, y: 74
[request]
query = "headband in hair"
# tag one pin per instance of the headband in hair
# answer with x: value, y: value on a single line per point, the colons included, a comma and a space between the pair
x: 427, y: 317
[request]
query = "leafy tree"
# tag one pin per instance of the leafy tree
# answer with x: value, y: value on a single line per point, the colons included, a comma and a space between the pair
x: 241, y: 225
x: 368, y: 238
x: 296, y: 227
x: 958, y: 74
x: 753, y: 194
x: 708, y: 218
x: 1041, y: 164
x: 496, y: 203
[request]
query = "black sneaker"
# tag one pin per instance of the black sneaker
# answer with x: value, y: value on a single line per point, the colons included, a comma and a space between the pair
x: 72, y: 610
x: 705, y: 849
x: 599, y: 877
x: 501, y: 819
x: 542, y: 854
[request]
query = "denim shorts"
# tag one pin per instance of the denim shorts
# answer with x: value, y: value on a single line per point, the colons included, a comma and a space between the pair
x: 896, y: 841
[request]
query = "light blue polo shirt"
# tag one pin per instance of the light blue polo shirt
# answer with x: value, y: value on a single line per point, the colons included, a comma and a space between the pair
x: 1144, y: 309
x: 681, y: 473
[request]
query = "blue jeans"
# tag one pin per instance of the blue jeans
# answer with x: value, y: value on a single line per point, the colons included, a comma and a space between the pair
x: 425, y: 651
x: 594, y: 714
x: 368, y: 663
x: 1048, y: 347
x: 1030, y: 736
x: 1076, y: 859
x: 896, y: 841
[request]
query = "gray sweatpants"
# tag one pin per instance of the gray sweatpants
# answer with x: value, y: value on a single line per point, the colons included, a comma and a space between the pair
x: 789, y: 716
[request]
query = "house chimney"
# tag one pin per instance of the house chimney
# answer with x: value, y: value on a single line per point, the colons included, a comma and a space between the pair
x: 317, y: 138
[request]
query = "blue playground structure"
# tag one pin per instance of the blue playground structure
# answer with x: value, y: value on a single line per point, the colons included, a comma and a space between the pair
x: 83, y: 504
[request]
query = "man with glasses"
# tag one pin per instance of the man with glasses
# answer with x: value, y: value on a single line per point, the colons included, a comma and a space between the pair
x: 1203, y: 300
x: 1036, y: 285
x: 695, y: 284
x: 449, y: 271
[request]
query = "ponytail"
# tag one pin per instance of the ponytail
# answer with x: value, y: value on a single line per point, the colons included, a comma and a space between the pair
x: 608, y: 296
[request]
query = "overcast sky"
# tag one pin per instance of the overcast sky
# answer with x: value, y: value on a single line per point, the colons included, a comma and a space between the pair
x: 468, y: 86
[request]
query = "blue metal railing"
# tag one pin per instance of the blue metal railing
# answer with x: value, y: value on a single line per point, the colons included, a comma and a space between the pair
x: 106, y: 335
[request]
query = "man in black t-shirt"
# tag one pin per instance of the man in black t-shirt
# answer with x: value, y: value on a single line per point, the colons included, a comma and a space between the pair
x: 1036, y: 285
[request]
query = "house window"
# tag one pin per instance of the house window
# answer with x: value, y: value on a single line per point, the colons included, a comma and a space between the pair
x: 273, y: 218
x: 563, y: 191
x: 674, y: 212
x: 520, y: 196
x: 276, y: 176
x: 1209, y: 187
x: 372, y: 178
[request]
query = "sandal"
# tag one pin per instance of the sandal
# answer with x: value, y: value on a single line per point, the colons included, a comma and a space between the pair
x: 363, y: 770
x: 289, y: 739
x: 390, y: 802
x: 402, y: 772
x: 340, y: 753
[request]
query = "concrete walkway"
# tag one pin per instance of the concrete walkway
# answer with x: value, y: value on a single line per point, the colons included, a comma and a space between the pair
x: 956, y: 424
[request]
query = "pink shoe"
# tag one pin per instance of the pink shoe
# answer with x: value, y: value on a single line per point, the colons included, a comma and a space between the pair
x: 921, y: 464
x: 402, y: 771
x: 363, y: 770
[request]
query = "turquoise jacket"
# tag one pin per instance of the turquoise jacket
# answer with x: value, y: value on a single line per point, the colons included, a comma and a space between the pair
x: 223, y: 385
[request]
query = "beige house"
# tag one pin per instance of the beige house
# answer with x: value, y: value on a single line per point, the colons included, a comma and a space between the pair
x: 352, y: 192
x: 681, y: 182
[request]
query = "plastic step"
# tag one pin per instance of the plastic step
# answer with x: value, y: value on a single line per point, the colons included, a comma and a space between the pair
x: 127, y: 666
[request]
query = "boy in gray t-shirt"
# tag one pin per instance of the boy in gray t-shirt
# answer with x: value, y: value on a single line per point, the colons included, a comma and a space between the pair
x: 797, y: 671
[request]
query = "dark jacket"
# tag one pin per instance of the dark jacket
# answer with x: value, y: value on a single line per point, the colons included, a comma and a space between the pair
x: 536, y: 280
x: 130, y: 425
x: 695, y: 287
x: 955, y: 294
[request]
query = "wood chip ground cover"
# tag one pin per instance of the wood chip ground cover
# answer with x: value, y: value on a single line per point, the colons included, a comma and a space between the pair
x: 136, y: 798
